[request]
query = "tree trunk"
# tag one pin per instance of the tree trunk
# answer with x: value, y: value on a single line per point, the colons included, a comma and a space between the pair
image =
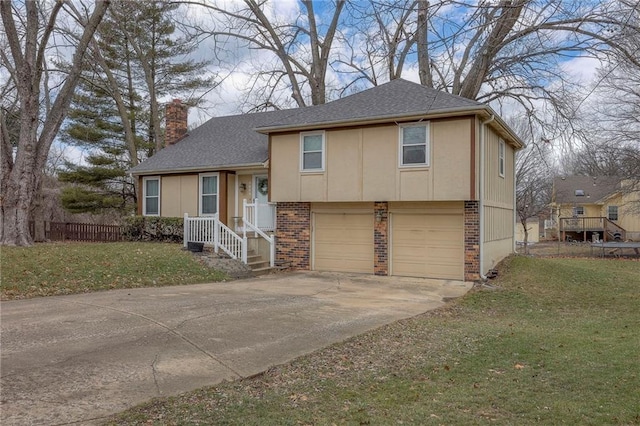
x: 28, y: 50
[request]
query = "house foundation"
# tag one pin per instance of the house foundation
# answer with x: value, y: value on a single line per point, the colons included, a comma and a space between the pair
x: 471, y: 241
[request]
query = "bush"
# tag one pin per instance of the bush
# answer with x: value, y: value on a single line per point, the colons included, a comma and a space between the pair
x: 155, y: 229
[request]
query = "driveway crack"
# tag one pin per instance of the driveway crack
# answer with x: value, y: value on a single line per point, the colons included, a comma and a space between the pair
x: 169, y: 329
x: 155, y: 376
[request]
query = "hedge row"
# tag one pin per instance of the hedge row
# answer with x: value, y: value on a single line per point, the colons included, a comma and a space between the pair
x: 156, y: 229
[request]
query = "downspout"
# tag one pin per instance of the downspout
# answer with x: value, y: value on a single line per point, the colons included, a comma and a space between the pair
x: 481, y: 195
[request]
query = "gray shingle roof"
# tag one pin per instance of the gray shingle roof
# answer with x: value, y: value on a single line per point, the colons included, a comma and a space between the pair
x: 593, y: 188
x: 219, y: 142
x: 394, y: 99
x: 235, y: 141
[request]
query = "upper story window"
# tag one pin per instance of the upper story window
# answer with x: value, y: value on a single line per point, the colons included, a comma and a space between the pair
x: 578, y: 211
x: 501, y: 149
x: 151, y: 196
x: 312, y: 151
x: 612, y: 212
x: 414, y: 144
x: 208, y: 194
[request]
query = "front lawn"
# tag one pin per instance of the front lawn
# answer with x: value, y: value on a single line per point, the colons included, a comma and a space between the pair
x: 65, y: 268
x: 555, y: 342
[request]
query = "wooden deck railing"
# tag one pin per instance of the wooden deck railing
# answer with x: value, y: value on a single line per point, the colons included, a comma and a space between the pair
x: 608, y: 230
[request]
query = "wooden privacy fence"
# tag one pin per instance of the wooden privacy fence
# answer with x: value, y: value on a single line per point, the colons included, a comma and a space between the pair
x: 90, y: 232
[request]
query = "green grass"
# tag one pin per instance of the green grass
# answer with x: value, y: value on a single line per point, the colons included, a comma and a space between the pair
x: 65, y: 268
x: 555, y: 343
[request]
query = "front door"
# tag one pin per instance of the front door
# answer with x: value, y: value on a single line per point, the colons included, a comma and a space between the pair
x: 261, y: 195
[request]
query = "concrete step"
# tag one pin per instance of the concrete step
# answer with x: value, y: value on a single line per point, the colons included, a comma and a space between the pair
x: 257, y: 264
x: 262, y: 271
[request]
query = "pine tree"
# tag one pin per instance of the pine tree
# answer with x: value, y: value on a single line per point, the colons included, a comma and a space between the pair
x: 137, y: 59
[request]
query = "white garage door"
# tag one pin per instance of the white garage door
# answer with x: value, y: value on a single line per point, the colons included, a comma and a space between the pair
x: 427, y: 245
x: 343, y: 242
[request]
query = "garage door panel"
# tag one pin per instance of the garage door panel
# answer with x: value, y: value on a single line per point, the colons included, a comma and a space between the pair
x: 427, y: 245
x: 343, y: 242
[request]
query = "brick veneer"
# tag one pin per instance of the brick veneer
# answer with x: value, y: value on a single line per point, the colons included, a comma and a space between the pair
x: 471, y: 241
x: 381, y: 238
x: 175, y: 122
x: 293, y: 234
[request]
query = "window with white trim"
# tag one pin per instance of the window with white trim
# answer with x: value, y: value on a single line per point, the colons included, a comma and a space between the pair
x: 414, y: 144
x: 151, y: 196
x: 612, y: 212
x: 312, y: 151
x: 501, y: 149
x: 208, y: 194
x: 578, y: 211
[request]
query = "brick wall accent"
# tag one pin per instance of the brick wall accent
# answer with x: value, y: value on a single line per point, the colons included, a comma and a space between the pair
x: 293, y: 234
x: 471, y: 241
x: 381, y: 238
x: 175, y: 122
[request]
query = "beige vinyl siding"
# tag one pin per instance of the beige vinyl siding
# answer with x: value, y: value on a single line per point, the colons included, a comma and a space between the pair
x: 179, y: 195
x: 590, y: 210
x: 342, y: 240
x: 498, y: 190
x: 362, y: 165
x: 628, y: 213
x: 498, y: 202
x: 498, y: 223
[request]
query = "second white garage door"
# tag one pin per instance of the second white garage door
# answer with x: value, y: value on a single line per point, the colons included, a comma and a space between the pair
x: 427, y: 245
x: 343, y: 242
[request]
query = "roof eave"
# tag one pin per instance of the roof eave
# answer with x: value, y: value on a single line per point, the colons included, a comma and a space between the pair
x: 166, y: 171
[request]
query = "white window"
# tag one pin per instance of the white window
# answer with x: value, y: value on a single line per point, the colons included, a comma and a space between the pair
x: 312, y: 152
x: 414, y: 144
x: 208, y: 194
x: 612, y: 212
x: 501, y: 149
x: 151, y: 196
x: 578, y: 211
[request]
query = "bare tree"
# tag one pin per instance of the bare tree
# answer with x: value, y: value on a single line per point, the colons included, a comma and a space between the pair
x: 534, y: 175
x: 509, y: 53
x: 28, y: 29
x: 301, y: 46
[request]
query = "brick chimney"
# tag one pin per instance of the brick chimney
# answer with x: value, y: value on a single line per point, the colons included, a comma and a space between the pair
x: 175, y: 122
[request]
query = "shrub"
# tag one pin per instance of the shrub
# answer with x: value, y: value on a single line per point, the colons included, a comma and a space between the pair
x: 156, y: 229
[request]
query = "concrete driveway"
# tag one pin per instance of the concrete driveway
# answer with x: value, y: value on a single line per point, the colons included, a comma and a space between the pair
x: 76, y: 359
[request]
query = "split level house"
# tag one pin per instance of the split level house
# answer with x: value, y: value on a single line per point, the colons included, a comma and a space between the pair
x: 586, y: 208
x: 396, y: 180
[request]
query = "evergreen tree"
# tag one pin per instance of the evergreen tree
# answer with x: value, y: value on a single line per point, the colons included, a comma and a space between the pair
x: 137, y: 59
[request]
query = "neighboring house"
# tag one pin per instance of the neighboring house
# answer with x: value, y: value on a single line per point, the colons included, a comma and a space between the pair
x: 533, y: 231
x: 585, y: 208
x: 398, y: 180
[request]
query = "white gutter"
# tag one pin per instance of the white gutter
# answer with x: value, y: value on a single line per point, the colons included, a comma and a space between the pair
x: 481, y: 195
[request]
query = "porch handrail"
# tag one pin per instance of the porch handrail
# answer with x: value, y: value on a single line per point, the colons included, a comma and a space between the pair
x: 251, y: 214
x: 199, y: 229
x: 250, y: 221
x: 209, y: 230
x: 613, y: 228
x: 230, y: 242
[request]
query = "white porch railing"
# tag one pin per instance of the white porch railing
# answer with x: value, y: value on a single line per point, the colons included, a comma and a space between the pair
x: 260, y: 215
x: 209, y: 230
x: 261, y: 218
